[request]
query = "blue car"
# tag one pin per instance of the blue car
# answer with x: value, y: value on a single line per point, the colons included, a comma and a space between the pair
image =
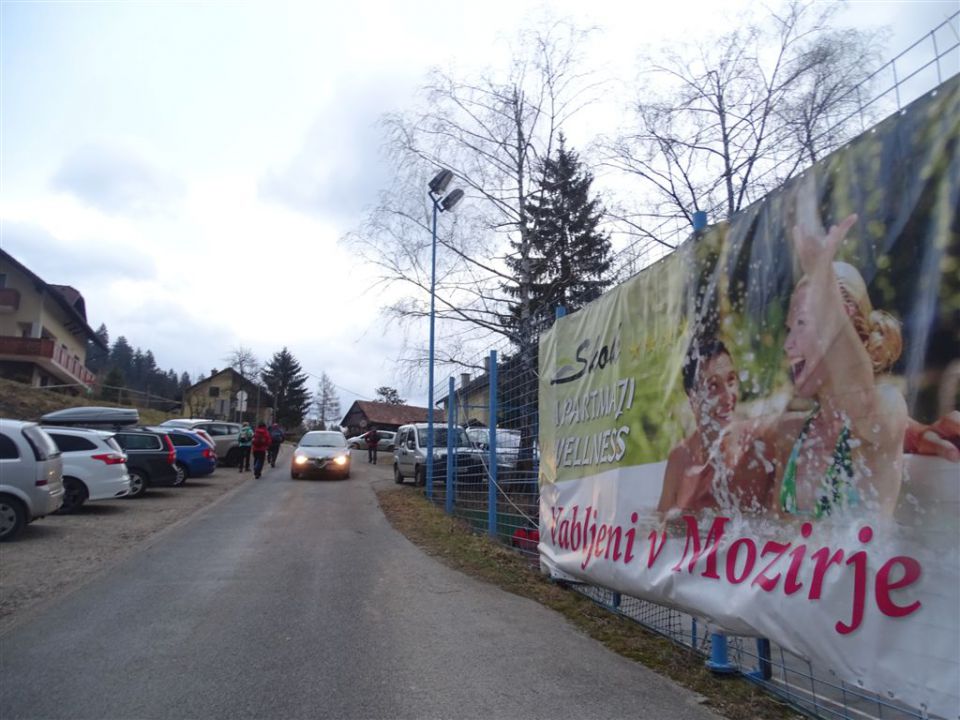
x: 195, y: 457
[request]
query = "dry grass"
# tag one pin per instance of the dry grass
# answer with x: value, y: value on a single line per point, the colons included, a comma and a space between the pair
x: 24, y: 402
x: 453, y: 542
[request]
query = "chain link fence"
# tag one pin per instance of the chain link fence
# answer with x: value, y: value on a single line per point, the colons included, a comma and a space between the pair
x: 488, y: 475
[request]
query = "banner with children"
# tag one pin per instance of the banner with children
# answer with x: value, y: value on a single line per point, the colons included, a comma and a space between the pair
x: 762, y: 429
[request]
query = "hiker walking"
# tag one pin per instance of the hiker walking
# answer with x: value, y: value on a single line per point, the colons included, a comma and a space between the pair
x: 276, y: 440
x: 372, y: 441
x: 244, y: 440
x: 261, y: 443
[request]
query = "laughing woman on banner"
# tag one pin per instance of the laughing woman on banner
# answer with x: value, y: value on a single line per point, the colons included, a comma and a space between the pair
x: 848, y: 450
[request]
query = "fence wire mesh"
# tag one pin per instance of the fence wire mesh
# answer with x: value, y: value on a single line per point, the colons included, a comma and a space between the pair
x: 492, y: 424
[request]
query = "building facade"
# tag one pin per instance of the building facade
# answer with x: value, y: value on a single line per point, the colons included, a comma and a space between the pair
x: 218, y: 398
x: 43, y: 330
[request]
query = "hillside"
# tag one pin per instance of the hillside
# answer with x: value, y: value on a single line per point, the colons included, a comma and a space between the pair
x: 23, y: 402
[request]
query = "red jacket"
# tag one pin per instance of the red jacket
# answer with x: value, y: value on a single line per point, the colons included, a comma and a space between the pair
x: 261, y: 439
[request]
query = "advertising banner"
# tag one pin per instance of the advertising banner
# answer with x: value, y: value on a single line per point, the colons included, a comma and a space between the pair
x: 762, y: 429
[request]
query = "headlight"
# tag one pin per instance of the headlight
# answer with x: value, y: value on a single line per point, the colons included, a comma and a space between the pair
x: 340, y: 460
x: 300, y: 459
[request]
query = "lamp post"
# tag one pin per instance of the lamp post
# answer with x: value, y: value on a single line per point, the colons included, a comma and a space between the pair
x: 442, y: 201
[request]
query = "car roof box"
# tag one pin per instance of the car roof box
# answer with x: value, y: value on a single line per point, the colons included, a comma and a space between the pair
x: 93, y: 417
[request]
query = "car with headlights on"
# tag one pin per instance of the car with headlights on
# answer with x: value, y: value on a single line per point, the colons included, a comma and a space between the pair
x: 321, y: 452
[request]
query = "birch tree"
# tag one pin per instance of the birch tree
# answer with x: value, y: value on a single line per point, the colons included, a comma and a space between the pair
x: 719, y: 125
x: 493, y: 131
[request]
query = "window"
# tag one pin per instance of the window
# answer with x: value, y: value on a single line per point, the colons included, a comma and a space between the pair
x: 217, y: 430
x: 180, y: 440
x: 213, y: 391
x: 72, y: 443
x: 3, y: 280
x: 8, y: 449
x: 138, y: 441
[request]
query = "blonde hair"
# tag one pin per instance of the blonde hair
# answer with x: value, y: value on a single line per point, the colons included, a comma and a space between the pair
x: 879, y: 331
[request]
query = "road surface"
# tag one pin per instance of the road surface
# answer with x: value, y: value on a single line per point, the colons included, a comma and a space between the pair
x: 297, y: 599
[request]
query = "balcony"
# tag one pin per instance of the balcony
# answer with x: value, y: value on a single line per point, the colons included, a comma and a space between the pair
x: 53, y: 358
x: 9, y: 300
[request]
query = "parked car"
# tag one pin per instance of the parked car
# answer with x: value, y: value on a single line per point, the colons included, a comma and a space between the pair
x: 94, y: 466
x: 410, y: 453
x: 321, y: 452
x: 151, y: 459
x: 195, y: 456
x: 508, y: 443
x: 31, y: 476
x: 386, y: 441
x: 222, y: 433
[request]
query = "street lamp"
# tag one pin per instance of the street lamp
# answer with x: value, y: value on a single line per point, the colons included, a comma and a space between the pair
x: 442, y: 201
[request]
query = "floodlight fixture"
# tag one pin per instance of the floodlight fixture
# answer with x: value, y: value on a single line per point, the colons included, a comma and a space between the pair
x: 451, y: 199
x: 441, y: 203
x: 440, y: 182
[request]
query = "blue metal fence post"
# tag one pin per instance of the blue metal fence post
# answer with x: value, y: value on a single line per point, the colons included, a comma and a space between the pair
x: 699, y: 221
x: 492, y: 463
x: 451, y: 424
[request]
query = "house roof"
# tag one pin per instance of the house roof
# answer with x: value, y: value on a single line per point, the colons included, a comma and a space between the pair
x: 68, y: 298
x: 380, y: 413
x: 237, y: 378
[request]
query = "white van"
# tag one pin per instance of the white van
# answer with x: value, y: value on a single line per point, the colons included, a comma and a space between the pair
x: 410, y: 454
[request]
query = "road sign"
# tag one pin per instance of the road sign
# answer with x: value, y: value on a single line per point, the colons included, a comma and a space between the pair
x: 242, y: 401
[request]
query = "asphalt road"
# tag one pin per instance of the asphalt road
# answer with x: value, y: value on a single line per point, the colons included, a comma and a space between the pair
x: 297, y: 599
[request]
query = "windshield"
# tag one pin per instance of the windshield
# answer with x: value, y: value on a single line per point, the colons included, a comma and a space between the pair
x: 460, y: 438
x: 323, y: 439
x: 506, y: 439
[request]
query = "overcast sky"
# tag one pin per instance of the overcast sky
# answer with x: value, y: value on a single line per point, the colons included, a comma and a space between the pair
x: 191, y: 167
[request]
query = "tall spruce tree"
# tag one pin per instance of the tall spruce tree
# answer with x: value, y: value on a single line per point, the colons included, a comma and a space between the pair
x: 285, y: 379
x: 570, y: 255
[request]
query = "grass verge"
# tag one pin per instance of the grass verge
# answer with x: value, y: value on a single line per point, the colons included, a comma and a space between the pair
x: 24, y: 402
x: 454, y: 543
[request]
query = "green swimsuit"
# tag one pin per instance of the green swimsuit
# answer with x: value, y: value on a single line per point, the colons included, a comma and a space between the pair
x: 838, y: 488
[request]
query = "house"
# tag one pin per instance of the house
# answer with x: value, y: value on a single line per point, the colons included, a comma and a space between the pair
x: 43, y: 330
x: 384, y: 416
x: 217, y: 397
x: 472, y: 401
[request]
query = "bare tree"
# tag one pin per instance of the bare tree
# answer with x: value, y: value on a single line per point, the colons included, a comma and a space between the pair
x: 493, y: 132
x: 244, y: 362
x: 327, y: 401
x: 721, y: 124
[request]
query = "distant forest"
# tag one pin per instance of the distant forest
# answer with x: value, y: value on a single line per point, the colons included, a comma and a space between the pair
x: 133, y: 369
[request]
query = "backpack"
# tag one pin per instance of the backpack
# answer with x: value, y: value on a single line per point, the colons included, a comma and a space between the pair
x: 276, y: 434
x: 246, y: 434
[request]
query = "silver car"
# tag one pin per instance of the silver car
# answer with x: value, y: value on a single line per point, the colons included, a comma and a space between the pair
x: 321, y: 452
x: 224, y: 435
x: 31, y: 476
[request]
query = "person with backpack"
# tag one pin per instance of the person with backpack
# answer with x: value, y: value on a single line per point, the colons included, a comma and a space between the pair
x: 276, y: 440
x: 373, y: 439
x: 244, y: 439
x: 261, y: 443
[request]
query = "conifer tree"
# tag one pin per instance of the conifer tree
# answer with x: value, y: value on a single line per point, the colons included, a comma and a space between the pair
x: 285, y: 379
x: 570, y: 255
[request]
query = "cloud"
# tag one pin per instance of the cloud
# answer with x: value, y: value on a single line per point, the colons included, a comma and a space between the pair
x: 81, y: 264
x: 339, y: 169
x: 117, y: 180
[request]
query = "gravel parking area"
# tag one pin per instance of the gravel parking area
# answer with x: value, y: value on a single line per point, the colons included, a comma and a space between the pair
x: 59, y: 552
